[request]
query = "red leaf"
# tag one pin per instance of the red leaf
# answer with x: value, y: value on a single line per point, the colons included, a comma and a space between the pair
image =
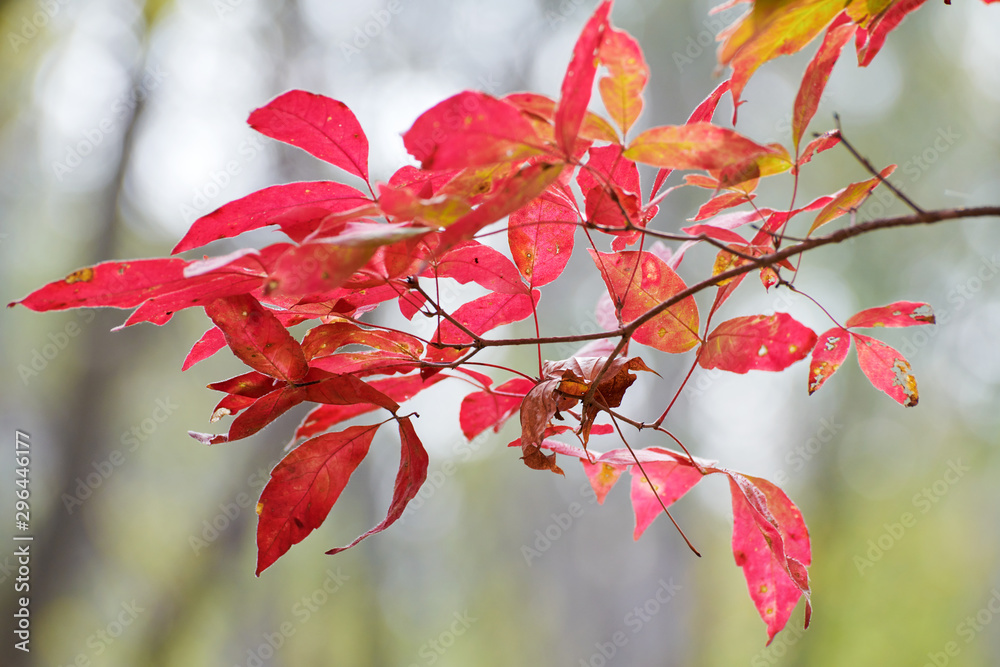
x: 539, y: 107
x: 437, y: 211
x: 771, y: 545
x: 717, y: 233
x: 479, y: 316
x: 541, y: 239
x: 671, y: 479
x: 318, y: 386
x: 492, y: 407
x: 769, y: 30
x: 318, y: 125
x: 392, y: 351
x: 257, y: 337
x: 848, y: 199
x: 304, y: 487
x: 242, y: 276
x: 325, y: 339
x: 315, y: 268
x: 278, y: 204
x: 886, y: 369
x: 471, y: 129
x: 817, y: 74
x: 823, y: 142
x: 346, y: 390
x: 638, y: 289
x: 828, y: 354
x: 411, y: 475
x: 871, y: 36
x: 113, y: 284
x: 252, y: 384
x: 694, y: 146
x: 398, y: 389
x: 474, y: 262
x: 211, y: 342
x: 757, y: 342
x: 605, y: 165
x: 254, y: 417
x: 241, y: 392
x: 898, y: 314
x: 527, y: 184
x: 579, y: 79
x: 703, y: 113
x: 720, y: 203
x: 622, y: 90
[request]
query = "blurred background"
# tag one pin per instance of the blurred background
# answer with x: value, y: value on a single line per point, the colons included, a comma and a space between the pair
x: 123, y: 121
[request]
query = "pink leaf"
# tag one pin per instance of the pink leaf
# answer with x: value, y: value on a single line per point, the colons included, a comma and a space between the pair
x: 541, y: 239
x: 637, y: 289
x: 694, y: 146
x: 757, y: 342
x: 817, y: 74
x: 474, y: 262
x: 828, y: 354
x: 602, y: 477
x: 898, y: 314
x: 886, y: 369
x: 671, y: 479
x: 771, y: 545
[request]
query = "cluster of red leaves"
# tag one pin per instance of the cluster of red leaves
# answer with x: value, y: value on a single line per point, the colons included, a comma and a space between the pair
x: 524, y: 157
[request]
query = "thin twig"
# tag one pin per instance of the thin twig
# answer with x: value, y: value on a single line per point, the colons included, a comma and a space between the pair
x: 873, y: 171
